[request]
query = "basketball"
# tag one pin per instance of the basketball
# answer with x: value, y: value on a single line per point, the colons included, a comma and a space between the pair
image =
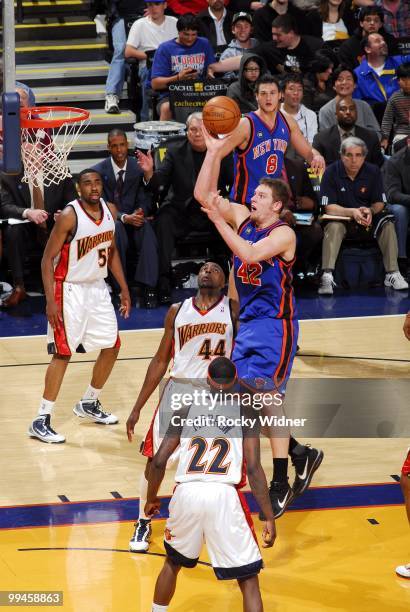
x: 221, y: 115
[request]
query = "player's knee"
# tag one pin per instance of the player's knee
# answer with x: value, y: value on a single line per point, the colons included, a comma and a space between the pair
x: 59, y: 358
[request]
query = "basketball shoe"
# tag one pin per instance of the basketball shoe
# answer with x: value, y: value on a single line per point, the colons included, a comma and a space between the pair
x: 92, y: 409
x: 403, y: 571
x: 281, y: 495
x: 141, y: 538
x: 41, y: 429
x: 305, y: 462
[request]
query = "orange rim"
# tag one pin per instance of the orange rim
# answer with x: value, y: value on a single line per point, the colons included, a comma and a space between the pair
x: 28, y: 122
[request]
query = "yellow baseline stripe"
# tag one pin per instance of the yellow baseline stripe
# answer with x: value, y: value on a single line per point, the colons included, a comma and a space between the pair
x: 68, y: 69
x: 57, y: 3
x: 51, y: 25
x: 61, y: 47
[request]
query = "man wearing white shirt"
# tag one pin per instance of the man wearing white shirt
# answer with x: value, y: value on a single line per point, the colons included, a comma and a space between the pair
x: 146, y: 35
x: 216, y: 24
x: 292, y: 92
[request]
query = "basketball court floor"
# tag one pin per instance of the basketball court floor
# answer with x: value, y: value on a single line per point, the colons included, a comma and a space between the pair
x: 67, y: 511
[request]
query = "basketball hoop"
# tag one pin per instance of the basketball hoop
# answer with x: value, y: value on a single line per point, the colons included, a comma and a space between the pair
x: 48, y: 134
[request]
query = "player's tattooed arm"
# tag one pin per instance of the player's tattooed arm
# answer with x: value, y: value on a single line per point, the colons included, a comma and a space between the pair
x: 156, y: 370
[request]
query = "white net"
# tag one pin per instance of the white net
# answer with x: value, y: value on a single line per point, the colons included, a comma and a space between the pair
x: 45, y: 150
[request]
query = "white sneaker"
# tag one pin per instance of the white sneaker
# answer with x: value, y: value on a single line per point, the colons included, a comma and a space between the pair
x: 112, y: 104
x: 41, y: 429
x: 141, y: 537
x: 92, y: 409
x: 403, y: 570
x: 396, y: 281
x: 326, y: 284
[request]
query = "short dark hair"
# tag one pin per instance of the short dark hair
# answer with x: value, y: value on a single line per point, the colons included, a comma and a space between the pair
x: 221, y: 373
x: 342, y: 68
x: 365, y: 41
x: 320, y: 63
x: 365, y: 11
x: 116, y: 132
x: 403, y: 71
x: 279, y: 189
x: 292, y: 77
x: 189, y: 21
x: 286, y: 22
x: 88, y: 171
x: 267, y: 79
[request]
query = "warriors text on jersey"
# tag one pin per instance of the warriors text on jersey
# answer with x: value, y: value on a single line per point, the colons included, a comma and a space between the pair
x: 262, y: 158
x: 199, y: 336
x: 85, y: 258
x: 264, y: 288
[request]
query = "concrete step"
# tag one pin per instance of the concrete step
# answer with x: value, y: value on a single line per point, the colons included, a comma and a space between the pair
x: 54, y: 7
x: 43, y: 52
x: 54, y: 28
x: 94, y: 145
x: 63, y: 73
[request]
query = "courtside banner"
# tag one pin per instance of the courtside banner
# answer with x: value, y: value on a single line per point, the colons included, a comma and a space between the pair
x: 188, y: 97
x: 316, y: 408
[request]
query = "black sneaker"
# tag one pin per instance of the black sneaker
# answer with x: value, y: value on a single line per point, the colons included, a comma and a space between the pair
x: 281, y: 495
x: 41, y: 429
x: 92, y: 409
x: 305, y: 465
x: 142, y: 533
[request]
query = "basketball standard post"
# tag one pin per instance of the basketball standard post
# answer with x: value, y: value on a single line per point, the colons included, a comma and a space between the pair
x: 11, y: 159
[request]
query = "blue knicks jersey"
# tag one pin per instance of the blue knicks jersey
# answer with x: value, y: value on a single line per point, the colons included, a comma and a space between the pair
x: 264, y: 288
x: 262, y: 158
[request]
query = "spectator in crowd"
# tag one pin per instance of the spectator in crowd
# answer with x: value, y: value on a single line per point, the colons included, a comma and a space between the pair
x: 344, y: 80
x: 353, y: 188
x: 396, y: 16
x: 146, y: 34
x: 38, y: 205
x: 318, y: 84
x: 303, y: 199
x: 292, y: 95
x: 376, y: 75
x: 263, y: 17
x: 117, y: 13
x: 180, y: 213
x: 186, y: 57
x: 123, y: 186
x: 288, y: 51
x: 328, y: 141
x: 370, y: 22
x: 241, y: 42
x: 216, y: 24
x: 396, y: 174
x: 243, y: 90
x: 338, y: 21
x: 396, y: 118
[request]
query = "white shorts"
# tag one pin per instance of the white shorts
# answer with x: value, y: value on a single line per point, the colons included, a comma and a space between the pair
x: 157, y: 427
x: 89, y: 321
x: 217, y: 514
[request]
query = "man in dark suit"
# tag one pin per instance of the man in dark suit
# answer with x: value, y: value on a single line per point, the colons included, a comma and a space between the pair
x: 123, y: 185
x: 328, y: 141
x: 180, y: 213
x: 38, y: 207
x: 216, y: 24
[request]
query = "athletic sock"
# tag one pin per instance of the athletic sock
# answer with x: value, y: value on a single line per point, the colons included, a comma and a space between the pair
x: 143, y: 497
x: 45, y: 407
x: 280, y: 470
x: 91, y: 393
x: 158, y: 608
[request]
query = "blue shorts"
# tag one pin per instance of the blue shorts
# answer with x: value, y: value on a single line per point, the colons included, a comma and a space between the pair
x: 264, y: 352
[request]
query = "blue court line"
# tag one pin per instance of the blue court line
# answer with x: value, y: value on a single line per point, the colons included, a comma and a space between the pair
x: 116, y: 510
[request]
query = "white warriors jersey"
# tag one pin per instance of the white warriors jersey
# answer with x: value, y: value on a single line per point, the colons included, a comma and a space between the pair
x: 85, y: 258
x: 199, y: 336
x: 211, y: 443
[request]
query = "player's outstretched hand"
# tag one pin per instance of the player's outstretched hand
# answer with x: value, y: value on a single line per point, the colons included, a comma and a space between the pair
x: 269, y: 534
x: 318, y: 164
x: 152, y: 508
x: 213, y: 143
x: 125, y: 306
x: 131, y: 422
